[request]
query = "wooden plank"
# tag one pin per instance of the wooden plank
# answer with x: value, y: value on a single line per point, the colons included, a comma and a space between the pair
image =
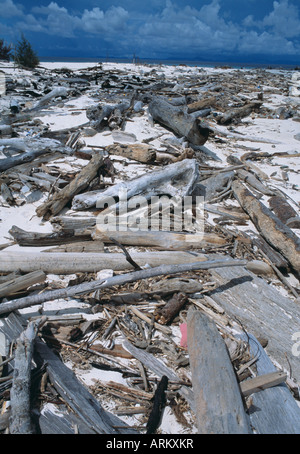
x: 257, y: 384
x: 218, y: 401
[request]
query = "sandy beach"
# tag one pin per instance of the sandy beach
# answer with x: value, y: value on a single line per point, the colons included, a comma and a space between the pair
x: 265, y: 143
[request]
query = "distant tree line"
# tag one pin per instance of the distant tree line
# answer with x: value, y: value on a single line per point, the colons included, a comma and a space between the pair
x: 22, y: 53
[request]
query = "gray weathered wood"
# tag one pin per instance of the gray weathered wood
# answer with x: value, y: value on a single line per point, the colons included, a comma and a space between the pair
x: 271, y: 228
x: 274, y: 410
x: 179, y: 121
x: 218, y: 401
x: 176, y: 179
x: 262, y: 310
x: 20, y: 418
x: 21, y: 283
x: 110, y: 282
x: 78, y: 397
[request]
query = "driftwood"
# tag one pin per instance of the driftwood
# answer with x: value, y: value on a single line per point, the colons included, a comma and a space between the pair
x: 55, y: 93
x: 181, y: 123
x: 159, y: 402
x: 273, y: 410
x: 100, y: 115
x: 81, y: 246
x: 31, y: 149
x: 160, y: 369
x: 261, y: 309
x: 115, y: 280
x: 25, y: 238
x: 285, y: 212
x: 20, y: 418
x: 61, y: 263
x: 239, y: 112
x: 176, y: 179
x: 138, y: 152
x: 77, y: 185
x: 201, y: 104
x: 22, y: 282
x: 218, y: 402
x: 262, y: 382
x: 161, y: 239
x: 166, y: 314
x: 271, y: 228
x: 78, y: 397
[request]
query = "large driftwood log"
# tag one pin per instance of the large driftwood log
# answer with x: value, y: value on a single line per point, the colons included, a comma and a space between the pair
x: 20, y: 418
x: 218, y: 401
x: 271, y: 228
x: 100, y: 115
x: 167, y: 241
x: 88, y: 287
x: 261, y: 309
x: 176, y: 179
x: 77, y: 185
x: 61, y: 263
x: 179, y: 121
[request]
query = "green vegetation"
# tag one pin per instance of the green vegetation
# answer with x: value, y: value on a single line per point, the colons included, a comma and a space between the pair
x: 4, y: 51
x: 24, y: 54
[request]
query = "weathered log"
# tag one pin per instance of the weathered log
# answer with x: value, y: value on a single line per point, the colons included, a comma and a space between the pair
x: 261, y: 309
x: 212, y: 186
x: 176, y: 179
x: 218, y: 402
x: 81, y: 246
x: 239, y: 112
x: 201, y: 104
x: 61, y: 263
x: 138, y: 152
x: 78, y: 397
x: 180, y: 122
x: 25, y: 238
x: 161, y: 239
x: 31, y: 148
x: 165, y: 314
x: 55, y: 93
x: 253, y: 181
x: 21, y: 283
x: 20, y: 418
x: 270, y: 227
x: 284, y: 211
x: 115, y: 280
x: 77, y: 185
x: 99, y: 115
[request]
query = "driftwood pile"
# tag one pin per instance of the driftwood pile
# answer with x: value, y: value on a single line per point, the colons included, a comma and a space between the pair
x: 187, y: 318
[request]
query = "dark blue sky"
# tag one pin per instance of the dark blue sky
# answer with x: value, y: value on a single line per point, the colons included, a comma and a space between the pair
x: 256, y: 31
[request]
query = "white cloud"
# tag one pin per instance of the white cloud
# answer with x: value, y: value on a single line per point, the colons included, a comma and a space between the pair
x: 9, y: 9
x: 97, y: 21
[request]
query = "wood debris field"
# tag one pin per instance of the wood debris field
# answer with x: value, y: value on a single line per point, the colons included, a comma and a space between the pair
x: 150, y: 250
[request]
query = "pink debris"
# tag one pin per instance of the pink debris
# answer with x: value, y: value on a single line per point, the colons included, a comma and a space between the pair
x: 183, y: 341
